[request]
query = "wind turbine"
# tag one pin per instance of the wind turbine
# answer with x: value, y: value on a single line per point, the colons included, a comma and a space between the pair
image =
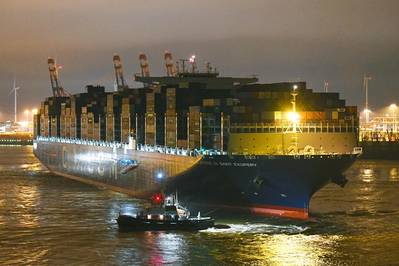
x: 14, y: 89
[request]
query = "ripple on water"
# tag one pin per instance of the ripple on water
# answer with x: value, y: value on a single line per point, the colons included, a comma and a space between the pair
x: 249, y: 228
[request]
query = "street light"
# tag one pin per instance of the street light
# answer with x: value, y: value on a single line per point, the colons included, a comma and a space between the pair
x: 367, y: 115
x: 393, y: 108
x: 27, y: 115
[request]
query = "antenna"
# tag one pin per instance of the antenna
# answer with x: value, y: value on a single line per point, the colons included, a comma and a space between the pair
x: 325, y: 86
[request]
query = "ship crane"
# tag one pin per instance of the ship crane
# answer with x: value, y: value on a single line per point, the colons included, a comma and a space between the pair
x: 120, y: 80
x: 170, y: 66
x: 145, y: 68
x: 58, y: 90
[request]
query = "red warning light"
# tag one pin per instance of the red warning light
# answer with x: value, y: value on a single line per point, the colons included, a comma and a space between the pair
x: 157, y: 198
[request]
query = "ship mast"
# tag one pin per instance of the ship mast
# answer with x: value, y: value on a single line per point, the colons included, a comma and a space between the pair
x: 293, y: 117
x: 293, y: 102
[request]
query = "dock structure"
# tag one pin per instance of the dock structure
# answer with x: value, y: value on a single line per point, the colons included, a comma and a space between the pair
x: 16, y: 138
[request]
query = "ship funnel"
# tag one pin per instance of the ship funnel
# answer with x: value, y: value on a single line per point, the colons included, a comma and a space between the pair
x: 170, y: 66
x: 145, y: 69
x: 120, y: 81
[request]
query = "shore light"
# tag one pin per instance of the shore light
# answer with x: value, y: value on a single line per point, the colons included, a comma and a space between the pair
x: 27, y: 114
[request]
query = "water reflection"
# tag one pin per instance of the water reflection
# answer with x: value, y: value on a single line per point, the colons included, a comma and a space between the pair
x: 270, y: 244
x: 367, y: 194
x: 393, y: 173
x: 26, y: 201
x: 171, y: 247
x: 153, y: 248
x: 367, y: 175
x: 300, y: 249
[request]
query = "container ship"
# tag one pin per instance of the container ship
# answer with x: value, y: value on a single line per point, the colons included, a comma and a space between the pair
x: 220, y: 142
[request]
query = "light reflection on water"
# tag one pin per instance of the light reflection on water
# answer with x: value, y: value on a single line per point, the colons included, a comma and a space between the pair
x: 367, y: 175
x: 46, y: 219
x: 393, y: 173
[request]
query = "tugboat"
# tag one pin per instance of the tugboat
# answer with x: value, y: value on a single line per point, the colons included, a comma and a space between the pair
x: 167, y: 214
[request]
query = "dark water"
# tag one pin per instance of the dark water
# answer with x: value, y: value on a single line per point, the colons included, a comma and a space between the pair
x: 45, y: 219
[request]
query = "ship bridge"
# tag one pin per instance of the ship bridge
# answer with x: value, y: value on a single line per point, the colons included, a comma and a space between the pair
x: 207, y: 80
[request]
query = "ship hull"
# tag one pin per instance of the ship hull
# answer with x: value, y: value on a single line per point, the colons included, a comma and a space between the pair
x: 265, y: 185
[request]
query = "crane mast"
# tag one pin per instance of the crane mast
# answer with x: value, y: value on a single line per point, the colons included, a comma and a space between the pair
x: 58, y: 90
x: 120, y: 80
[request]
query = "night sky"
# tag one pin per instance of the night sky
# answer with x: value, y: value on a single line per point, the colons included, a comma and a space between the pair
x: 277, y: 40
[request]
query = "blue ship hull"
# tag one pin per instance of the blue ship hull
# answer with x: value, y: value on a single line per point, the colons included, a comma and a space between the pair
x: 275, y: 185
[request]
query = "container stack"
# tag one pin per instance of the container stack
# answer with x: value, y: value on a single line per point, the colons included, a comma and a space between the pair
x: 63, y: 121
x: 73, y: 123
x: 110, y: 118
x: 171, y: 118
x: 44, y: 120
x: 125, y: 120
x: 90, y: 122
x: 195, y: 134
x: 150, y: 124
x: 83, y: 123
x: 53, y: 119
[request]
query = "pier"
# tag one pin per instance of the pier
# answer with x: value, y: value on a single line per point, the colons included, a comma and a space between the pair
x: 16, y: 138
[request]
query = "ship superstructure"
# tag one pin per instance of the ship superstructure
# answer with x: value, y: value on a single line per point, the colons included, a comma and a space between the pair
x: 222, y: 141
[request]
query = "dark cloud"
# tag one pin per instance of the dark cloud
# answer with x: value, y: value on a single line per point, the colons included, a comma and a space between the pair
x: 277, y: 40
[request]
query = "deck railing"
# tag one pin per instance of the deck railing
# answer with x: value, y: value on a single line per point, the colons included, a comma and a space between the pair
x: 138, y: 147
x: 284, y: 127
x: 173, y: 151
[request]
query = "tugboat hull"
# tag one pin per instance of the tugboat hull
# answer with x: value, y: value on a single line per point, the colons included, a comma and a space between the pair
x: 129, y: 223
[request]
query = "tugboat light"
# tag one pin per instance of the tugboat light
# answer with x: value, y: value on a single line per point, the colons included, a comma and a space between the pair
x: 157, y: 198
